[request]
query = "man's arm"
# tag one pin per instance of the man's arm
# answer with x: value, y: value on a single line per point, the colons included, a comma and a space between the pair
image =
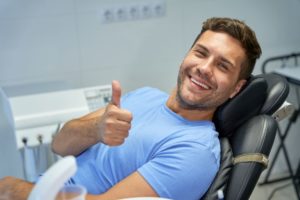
x: 132, y: 186
x: 13, y: 188
x: 109, y: 125
x: 77, y: 135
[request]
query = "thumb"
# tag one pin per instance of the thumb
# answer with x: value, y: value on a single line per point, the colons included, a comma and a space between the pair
x: 116, y: 93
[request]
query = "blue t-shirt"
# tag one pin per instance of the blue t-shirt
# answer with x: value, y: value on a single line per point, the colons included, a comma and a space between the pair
x: 177, y: 157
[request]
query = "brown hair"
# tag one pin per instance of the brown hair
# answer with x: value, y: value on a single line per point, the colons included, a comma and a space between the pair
x: 240, y: 31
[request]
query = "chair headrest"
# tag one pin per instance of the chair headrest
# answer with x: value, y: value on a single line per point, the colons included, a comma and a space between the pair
x: 242, y: 107
x: 263, y: 94
x: 277, y: 92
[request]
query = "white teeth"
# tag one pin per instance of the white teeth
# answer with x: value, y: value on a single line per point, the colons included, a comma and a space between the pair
x: 200, y: 84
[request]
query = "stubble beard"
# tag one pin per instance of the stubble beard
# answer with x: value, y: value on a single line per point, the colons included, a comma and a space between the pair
x: 184, y: 104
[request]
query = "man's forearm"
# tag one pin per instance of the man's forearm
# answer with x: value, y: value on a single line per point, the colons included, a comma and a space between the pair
x: 16, y: 189
x: 13, y: 188
x: 75, y: 137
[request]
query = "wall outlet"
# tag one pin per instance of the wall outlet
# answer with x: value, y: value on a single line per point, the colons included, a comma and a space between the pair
x: 132, y: 11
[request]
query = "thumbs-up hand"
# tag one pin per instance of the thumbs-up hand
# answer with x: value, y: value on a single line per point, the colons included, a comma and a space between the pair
x: 115, y: 122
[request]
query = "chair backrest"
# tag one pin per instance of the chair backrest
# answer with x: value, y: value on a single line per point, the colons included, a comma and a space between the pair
x: 247, y: 132
x: 10, y: 158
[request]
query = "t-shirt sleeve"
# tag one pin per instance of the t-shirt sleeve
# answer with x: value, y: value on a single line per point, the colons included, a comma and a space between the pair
x: 181, y: 171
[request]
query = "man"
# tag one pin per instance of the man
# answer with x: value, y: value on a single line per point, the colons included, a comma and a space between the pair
x: 148, y: 143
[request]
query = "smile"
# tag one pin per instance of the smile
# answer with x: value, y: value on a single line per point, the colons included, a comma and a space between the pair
x: 200, y: 84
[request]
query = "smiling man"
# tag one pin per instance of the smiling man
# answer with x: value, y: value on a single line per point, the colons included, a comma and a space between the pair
x: 149, y: 143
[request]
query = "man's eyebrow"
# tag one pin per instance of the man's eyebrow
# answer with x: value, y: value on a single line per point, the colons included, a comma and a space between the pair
x: 199, y: 46
x: 226, y: 61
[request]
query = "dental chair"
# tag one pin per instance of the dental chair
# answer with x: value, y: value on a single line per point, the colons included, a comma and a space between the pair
x: 10, y: 158
x: 247, y: 128
x: 247, y: 131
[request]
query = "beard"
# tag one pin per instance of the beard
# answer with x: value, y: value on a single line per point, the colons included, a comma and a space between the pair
x: 182, y: 102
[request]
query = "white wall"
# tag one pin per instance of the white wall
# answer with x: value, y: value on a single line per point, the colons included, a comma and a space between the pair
x: 58, y: 41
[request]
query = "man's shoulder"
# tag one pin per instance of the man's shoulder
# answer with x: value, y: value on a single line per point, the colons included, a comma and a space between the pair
x: 143, y: 98
x: 145, y: 93
x: 148, y: 91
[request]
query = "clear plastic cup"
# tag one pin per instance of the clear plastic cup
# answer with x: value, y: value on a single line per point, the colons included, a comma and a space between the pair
x: 71, y: 192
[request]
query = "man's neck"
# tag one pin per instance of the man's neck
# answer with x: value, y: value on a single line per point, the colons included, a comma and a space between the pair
x: 189, y: 114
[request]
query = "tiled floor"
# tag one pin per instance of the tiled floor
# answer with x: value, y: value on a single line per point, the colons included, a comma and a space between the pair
x: 264, y: 192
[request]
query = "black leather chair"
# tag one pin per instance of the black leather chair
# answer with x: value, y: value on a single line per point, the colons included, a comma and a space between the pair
x: 247, y: 132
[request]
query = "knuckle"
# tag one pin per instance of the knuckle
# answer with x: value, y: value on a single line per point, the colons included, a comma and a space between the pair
x: 109, y: 124
x: 120, y: 141
x: 110, y: 113
x: 111, y: 110
x: 129, y: 126
x: 130, y: 116
x: 126, y: 134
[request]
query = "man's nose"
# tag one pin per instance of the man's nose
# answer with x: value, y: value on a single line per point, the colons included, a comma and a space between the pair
x: 205, y: 68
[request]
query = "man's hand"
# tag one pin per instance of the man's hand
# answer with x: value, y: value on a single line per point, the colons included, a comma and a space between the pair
x: 115, y: 122
x: 13, y: 188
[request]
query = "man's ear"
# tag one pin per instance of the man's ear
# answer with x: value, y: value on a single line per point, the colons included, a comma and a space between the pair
x: 238, y: 87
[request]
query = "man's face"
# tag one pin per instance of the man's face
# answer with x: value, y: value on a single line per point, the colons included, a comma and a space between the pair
x: 209, y: 73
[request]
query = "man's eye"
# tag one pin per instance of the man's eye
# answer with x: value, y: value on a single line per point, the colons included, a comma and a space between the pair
x: 200, y: 53
x: 223, y: 66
